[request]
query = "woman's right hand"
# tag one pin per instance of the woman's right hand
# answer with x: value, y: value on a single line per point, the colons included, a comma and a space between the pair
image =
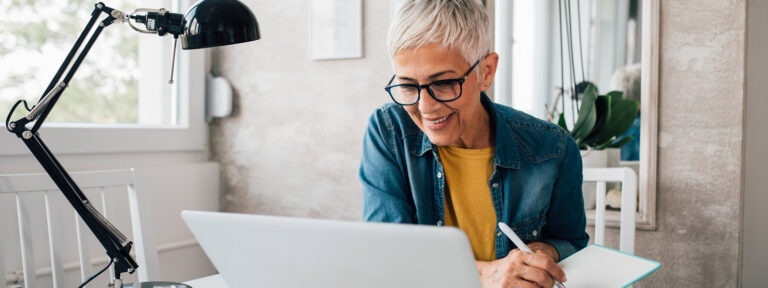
x: 520, y: 269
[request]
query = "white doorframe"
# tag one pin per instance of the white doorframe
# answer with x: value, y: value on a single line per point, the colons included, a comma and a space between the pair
x: 754, y: 231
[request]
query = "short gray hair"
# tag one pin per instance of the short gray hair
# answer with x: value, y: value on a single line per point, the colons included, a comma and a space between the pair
x: 456, y: 24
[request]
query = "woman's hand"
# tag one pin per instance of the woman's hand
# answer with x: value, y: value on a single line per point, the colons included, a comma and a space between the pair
x: 521, y: 269
x: 546, y: 248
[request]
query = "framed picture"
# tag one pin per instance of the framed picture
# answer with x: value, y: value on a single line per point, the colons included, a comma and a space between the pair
x: 336, y: 29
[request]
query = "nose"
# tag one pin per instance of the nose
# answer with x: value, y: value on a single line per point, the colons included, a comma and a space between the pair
x: 427, y: 103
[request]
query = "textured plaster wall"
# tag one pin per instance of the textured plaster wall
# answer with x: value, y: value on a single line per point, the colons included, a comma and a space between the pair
x: 700, y: 145
x: 293, y: 145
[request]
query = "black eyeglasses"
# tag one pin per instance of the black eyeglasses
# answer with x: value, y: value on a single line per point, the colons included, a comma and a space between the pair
x: 446, y: 90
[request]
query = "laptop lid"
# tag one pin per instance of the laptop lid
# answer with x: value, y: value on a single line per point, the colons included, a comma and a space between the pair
x: 270, y: 251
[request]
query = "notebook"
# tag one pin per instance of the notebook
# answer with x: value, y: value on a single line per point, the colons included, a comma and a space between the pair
x: 599, y: 266
x: 270, y: 251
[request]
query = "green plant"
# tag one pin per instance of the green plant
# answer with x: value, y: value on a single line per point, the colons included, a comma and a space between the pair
x: 602, y: 119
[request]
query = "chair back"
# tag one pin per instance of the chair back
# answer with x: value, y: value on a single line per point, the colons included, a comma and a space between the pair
x: 42, y: 215
x: 628, y: 180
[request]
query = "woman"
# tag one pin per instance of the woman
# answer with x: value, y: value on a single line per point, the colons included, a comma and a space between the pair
x: 444, y: 154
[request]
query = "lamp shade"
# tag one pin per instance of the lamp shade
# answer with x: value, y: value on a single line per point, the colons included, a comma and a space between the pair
x: 211, y: 23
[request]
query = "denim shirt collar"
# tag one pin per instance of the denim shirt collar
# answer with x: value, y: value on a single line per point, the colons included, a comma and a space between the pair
x: 509, y: 159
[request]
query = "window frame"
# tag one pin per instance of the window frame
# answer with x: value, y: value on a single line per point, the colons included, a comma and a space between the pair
x: 190, y: 134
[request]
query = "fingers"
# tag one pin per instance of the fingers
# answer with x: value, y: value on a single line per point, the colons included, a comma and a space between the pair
x: 536, y: 276
x: 522, y: 284
x: 512, y: 280
x: 521, y: 269
x: 539, y: 261
x: 544, y: 262
x: 512, y: 272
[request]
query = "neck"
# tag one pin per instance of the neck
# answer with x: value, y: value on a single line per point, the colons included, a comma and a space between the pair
x: 479, y: 135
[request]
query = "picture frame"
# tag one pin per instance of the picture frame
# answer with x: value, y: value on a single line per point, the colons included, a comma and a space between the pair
x: 335, y: 29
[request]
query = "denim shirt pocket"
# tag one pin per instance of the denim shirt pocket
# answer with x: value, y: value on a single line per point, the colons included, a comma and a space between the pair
x: 529, y: 230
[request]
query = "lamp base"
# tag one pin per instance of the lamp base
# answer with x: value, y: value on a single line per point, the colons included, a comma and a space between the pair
x: 156, y: 284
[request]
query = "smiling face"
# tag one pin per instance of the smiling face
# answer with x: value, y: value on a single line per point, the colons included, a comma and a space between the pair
x: 462, y: 123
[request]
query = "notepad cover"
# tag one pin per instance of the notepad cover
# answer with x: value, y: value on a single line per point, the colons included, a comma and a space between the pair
x: 599, y: 266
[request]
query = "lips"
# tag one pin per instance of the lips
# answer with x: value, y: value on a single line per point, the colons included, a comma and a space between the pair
x: 438, y: 123
x: 438, y: 120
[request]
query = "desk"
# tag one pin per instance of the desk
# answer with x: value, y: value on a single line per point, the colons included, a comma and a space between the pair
x: 213, y: 281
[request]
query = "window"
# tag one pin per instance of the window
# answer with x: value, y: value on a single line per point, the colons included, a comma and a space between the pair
x: 120, y: 95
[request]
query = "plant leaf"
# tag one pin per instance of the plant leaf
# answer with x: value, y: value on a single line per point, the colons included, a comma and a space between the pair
x: 621, y: 141
x: 561, y: 121
x: 603, y: 145
x: 615, y: 96
x: 587, y: 115
x: 623, y: 114
x: 603, y: 110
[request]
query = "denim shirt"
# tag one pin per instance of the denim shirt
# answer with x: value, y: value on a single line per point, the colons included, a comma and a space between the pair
x: 535, y: 185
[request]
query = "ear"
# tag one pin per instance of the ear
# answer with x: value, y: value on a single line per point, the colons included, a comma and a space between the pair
x: 488, y: 66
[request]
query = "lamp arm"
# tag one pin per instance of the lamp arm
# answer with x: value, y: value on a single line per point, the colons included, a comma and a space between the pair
x: 115, y: 243
x: 94, y: 16
x: 113, y: 15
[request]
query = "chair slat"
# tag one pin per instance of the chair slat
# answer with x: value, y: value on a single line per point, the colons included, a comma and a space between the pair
x: 2, y: 259
x: 600, y: 213
x: 146, y: 252
x: 108, y: 205
x: 86, y: 269
x: 54, y: 243
x: 628, y: 200
x: 25, y: 238
x: 108, y: 210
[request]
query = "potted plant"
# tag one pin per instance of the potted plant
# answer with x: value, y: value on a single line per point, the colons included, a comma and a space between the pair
x: 602, y: 119
x: 601, y: 123
x: 598, y: 121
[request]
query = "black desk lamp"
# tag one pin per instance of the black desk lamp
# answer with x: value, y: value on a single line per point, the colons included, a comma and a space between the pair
x: 209, y: 23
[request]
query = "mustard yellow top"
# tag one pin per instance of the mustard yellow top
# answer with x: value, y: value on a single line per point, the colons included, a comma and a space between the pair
x: 468, y: 203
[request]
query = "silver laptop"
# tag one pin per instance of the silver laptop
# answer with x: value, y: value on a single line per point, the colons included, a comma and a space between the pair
x: 269, y: 251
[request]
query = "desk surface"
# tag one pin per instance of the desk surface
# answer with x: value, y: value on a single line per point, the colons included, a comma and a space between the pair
x: 213, y: 281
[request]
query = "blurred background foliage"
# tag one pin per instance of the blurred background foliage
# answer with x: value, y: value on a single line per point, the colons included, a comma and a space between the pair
x: 35, y: 36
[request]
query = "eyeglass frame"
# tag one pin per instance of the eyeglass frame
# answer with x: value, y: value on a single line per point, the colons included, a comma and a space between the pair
x: 429, y: 90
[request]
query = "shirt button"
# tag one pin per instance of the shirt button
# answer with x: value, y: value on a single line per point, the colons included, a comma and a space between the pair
x: 440, y: 223
x: 534, y: 233
x: 498, y: 234
x: 439, y: 175
x: 495, y: 185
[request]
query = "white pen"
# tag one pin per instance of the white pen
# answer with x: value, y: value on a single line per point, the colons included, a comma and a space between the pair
x: 520, y: 244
